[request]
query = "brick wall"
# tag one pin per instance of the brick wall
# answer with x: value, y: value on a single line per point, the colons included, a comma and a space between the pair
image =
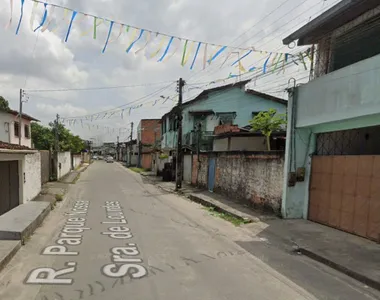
x: 199, y: 174
x: 150, y: 129
x: 146, y: 161
x: 253, y: 178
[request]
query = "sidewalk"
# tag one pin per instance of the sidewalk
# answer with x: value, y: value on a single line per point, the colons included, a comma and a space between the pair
x: 17, y: 225
x: 354, y: 256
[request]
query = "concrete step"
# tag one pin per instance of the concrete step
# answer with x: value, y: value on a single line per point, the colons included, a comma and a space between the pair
x: 8, y: 249
x: 20, y: 223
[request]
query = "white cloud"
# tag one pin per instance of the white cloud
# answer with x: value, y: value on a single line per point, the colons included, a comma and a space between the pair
x: 63, y: 110
x: 49, y: 63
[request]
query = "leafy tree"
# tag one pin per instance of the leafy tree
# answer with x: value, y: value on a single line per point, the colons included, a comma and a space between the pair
x: 267, y: 122
x: 43, y: 138
x: 4, y: 104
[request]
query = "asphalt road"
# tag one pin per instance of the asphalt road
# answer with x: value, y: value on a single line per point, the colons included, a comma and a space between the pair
x: 116, y: 237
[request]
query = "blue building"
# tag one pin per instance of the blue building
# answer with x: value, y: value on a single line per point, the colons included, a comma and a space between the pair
x: 228, y: 104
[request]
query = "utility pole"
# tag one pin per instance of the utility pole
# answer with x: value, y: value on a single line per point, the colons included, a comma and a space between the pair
x: 56, y: 149
x: 179, y: 137
x: 56, y: 144
x: 118, y: 148
x: 20, y: 118
x: 130, y: 147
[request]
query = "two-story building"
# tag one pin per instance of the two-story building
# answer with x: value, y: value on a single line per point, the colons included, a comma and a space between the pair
x: 20, y: 166
x: 332, y: 161
x: 228, y: 104
x: 148, y: 138
x: 10, y: 129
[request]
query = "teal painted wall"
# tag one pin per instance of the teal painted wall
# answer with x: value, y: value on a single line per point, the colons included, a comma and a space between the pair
x: 342, y: 100
x: 231, y: 100
x: 349, y: 93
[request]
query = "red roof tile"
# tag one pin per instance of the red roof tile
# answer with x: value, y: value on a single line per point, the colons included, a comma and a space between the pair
x: 8, y: 146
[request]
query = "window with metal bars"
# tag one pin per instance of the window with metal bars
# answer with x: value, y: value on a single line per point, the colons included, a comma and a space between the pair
x: 359, y: 141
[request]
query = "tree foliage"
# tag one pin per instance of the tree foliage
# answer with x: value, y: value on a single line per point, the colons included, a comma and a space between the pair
x: 43, y: 138
x: 268, y: 122
x: 4, y: 104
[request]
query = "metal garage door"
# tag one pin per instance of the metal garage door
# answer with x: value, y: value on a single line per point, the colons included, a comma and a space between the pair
x: 345, y: 181
x: 9, y: 186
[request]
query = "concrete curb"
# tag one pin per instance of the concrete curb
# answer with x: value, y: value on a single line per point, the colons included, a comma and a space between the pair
x: 357, y: 276
x: 204, y: 202
x: 8, y: 257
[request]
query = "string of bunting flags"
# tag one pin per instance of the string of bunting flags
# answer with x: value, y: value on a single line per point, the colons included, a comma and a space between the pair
x: 300, y: 59
x: 63, y: 21
x: 108, y: 129
x: 120, y: 112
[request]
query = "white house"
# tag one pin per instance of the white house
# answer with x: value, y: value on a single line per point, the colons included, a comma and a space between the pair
x: 20, y: 166
x: 10, y: 128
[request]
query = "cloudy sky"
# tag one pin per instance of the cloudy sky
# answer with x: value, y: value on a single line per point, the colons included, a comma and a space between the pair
x: 42, y: 60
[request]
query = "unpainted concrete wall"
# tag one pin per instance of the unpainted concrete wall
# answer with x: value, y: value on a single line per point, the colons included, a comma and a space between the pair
x: 32, y: 179
x: 64, y: 164
x: 250, y: 177
x: 45, y: 166
x: 86, y: 157
x: 77, y: 161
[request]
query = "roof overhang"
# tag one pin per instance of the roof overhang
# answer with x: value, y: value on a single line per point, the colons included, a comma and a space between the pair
x: 335, y: 17
x: 10, y: 151
x: 201, y: 112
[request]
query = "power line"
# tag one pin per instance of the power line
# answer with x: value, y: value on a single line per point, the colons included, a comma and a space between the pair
x: 124, y: 105
x: 98, y: 88
x: 291, y: 20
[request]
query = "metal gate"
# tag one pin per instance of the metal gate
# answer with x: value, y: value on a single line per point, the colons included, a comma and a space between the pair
x: 9, y: 186
x: 211, y: 174
x: 345, y: 193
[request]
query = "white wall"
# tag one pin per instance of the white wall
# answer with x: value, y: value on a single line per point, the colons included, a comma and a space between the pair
x: 5, y: 121
x: 241, y: 143
x: 32, y: 170
x: 252, y: 143
x: 64, y: 159
x: 220, y: 144
x: 77, y: 159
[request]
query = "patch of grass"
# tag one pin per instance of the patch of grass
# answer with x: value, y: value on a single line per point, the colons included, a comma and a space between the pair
x: 59, y: 197
x: 76, y: 179
x: 224, y: 216
x: 137, y: 170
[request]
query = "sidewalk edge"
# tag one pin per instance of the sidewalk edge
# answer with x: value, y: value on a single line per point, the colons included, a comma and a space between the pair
x: 4, y: 262
x: 362, y: 278
x: 195, y: 198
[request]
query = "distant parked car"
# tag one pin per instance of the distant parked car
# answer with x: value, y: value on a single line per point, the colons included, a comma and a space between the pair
x: 95, y: 157
x: 109, y: 159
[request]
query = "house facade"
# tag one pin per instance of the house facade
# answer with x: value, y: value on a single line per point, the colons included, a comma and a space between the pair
x: 148, y: 139
x: 11, y: 129
x: 332, y: 163
x: 229, y: 104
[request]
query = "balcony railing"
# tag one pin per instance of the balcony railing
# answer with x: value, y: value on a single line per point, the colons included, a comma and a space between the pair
x: 206, y: 139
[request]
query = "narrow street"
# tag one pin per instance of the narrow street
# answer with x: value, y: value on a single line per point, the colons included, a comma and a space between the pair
x: 116, y: 237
